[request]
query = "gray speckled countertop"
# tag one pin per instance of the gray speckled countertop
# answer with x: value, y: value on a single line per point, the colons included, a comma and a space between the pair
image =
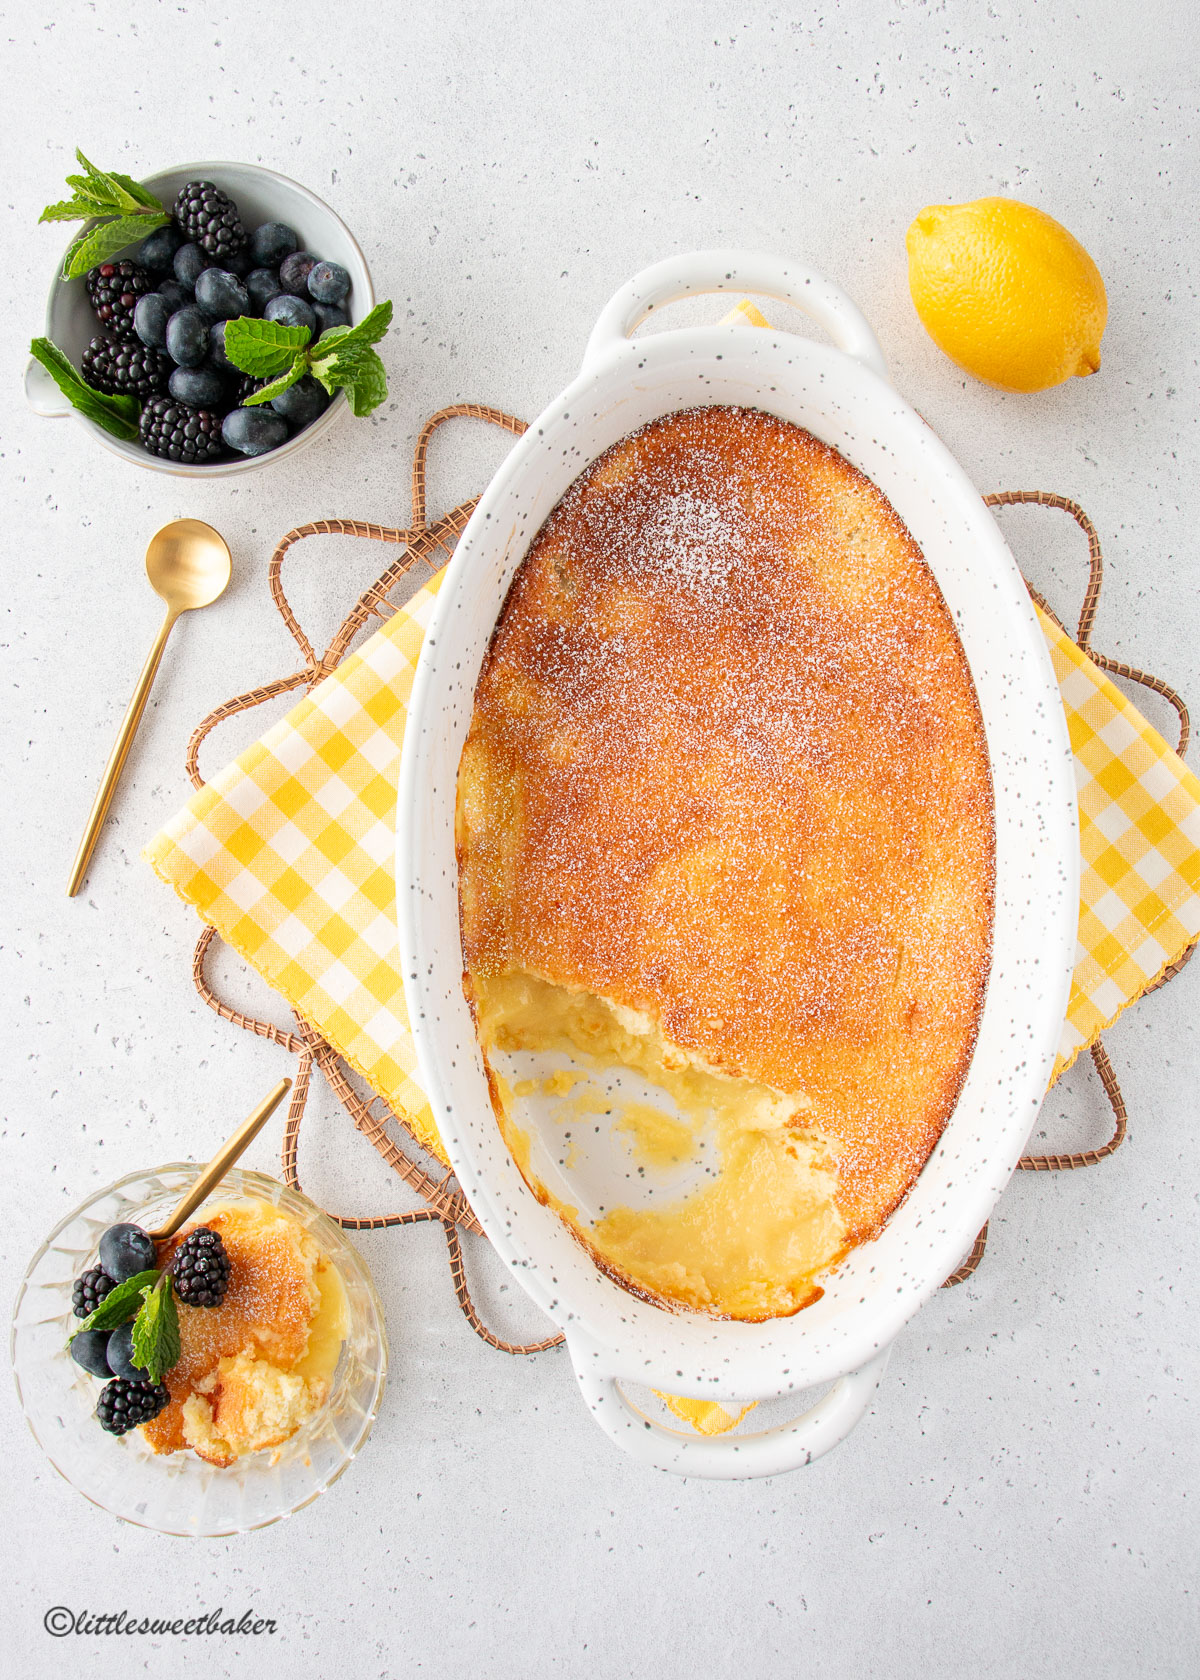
x: 1022, y: 1501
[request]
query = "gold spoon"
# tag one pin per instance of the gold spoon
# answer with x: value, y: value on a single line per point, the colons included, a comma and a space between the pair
x: 188, y: 564
x: 221, y: 1162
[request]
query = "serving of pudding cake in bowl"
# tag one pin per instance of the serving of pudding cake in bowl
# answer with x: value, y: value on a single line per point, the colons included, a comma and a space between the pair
x: 736, y: 866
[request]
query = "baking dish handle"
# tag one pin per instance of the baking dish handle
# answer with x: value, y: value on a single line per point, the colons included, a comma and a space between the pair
x: 729, y: 1457
x: 737, y: 271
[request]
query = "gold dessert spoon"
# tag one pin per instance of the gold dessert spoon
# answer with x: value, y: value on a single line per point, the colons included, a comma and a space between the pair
x: 221, y: 1162
x: 188, y: 564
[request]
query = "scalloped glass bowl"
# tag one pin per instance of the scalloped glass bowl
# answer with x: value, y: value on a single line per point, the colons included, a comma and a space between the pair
x: 179, y: 1493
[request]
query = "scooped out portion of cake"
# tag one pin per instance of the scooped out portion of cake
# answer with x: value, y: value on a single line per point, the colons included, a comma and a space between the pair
x: 255, y: 1369
x: 725, y: 817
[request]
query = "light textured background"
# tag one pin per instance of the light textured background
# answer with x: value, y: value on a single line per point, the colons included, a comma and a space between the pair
x: 1023, y: 1500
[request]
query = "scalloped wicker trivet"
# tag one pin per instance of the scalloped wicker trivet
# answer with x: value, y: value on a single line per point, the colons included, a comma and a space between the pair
x: 444, y: 1201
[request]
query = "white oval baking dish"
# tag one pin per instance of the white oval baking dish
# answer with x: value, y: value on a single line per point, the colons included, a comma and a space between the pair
x: 843, y: 396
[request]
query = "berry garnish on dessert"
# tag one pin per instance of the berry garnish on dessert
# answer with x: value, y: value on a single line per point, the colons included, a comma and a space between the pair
x: 126, y: 1250
x: 200, y: 1268
x: 119, y: 1353
x: 88, y: 1291
x: 204, y: 213
x: 114, y: 289
x: 123, y: 1404
x: 89, y: 1349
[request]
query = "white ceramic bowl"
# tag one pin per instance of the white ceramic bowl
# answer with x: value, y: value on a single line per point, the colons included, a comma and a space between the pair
x: 262, y: 196
x: 843, y: 396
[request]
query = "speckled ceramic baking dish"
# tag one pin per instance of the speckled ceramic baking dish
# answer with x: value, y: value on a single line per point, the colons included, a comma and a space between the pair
x: 841, y: 394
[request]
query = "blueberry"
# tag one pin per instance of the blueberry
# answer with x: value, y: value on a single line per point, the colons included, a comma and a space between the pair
x: 253, y: 431
x: 301, y: 403
x: 126, y: 1250
x: 329, y: 283
x: 271, y: 243
x: 263, y: 285
x: 290, y: 312
x: 187, y: 336
x: 150, y: 316
x: 238, y: 262
x: 157, y: 250
x: 329, y: 315
x: 190, y: 263
x: 199, y: 387
x: 295, y: 270
x: 120, y: 1354
x: 221, y: 295
x: 90, y: 1349
x: 175, y: 294
x: 216, y: 346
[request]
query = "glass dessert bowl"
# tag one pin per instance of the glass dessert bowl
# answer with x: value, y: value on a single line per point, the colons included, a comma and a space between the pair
x: 309, y: 1391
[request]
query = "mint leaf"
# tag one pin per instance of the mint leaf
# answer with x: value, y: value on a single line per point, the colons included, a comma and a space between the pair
x: 369, y: 387
x: 107, y: 239
x: 263, y: 348
x: 118, y: 1306
x: 156, y: 1330
x: 137, y: 191
x: 68, y: 210
x: 369, y: 330
x: 118, y: 415
x: 340, y: 365
x: 104, y: 195
x: 108, y: 189
x: 356, y: 369
x: 297, y: 371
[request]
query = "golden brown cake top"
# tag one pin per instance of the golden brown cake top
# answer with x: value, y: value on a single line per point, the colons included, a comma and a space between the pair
x: 727, y: 768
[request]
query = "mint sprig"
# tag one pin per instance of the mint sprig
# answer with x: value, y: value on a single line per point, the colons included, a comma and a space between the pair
x: 343, y: 358
x: 118, y: 415
x: 127, y: 213
x: 148, y: 1299
x: 156, y: 1344
x: 120, y: 1305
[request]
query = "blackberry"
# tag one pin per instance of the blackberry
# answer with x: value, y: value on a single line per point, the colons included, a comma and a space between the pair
x: 116, y: 366
x: 177, y: 432
x: 200, y: 1269
x: 114, y: 289
x: 88, y: 1291
x: 206, y: 215
x: 123, y: 1404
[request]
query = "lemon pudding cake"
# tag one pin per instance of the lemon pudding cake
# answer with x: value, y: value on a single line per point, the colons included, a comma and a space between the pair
x: 724, y: 818
x: 257, y: 1367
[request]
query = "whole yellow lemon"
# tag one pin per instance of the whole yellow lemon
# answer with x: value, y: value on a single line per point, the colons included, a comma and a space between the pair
x: 1006, y: 292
